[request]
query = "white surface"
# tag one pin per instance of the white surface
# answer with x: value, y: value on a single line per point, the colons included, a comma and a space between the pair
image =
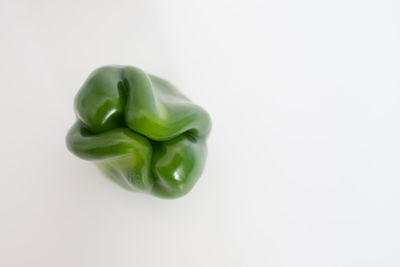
x: 303, y: 166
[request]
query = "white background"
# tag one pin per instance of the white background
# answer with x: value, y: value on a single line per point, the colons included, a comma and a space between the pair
x: 304, y: 161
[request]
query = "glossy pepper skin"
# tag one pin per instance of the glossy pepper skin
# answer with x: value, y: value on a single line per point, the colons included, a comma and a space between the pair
x: 140, y: 131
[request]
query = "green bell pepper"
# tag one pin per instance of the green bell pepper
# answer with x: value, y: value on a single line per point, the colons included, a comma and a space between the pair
x: 140, y: 131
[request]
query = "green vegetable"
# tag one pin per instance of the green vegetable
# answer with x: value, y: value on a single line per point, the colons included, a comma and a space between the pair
x: 140, y: 131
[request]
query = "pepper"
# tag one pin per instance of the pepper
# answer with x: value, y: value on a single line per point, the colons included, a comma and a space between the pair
x: 140, y: 131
